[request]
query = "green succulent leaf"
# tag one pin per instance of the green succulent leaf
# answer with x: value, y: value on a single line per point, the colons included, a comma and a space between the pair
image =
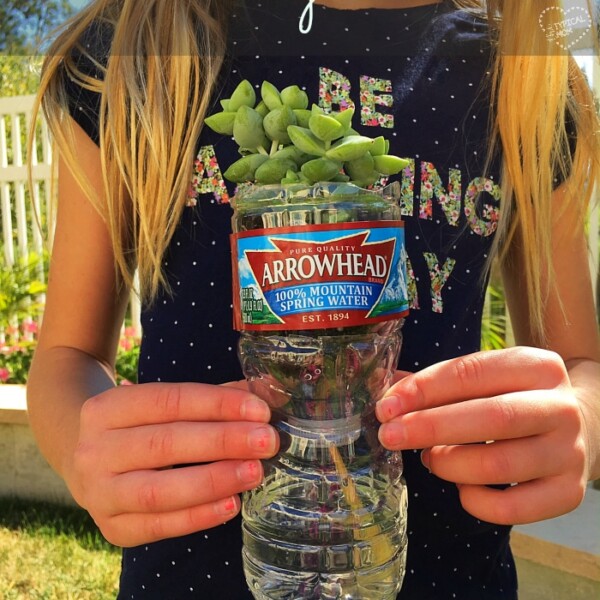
x: 341, y: 178
x: 351, y: 133
x: 248, y: 128
x: 244, y: 169
x: 260, y: 148
x: 389, y: 165
x: 306, y: 141
x: 360, y: 168
x: 378, y: 147
x: 344, y: 118
x: 277, y: 122
x: 243, y: 95
x: 274, y: 170
x: 221, y: 122
x: 365, y: 182
x: 320, y: 169
x: 290, y: 177
x: 326, y: 128
x: 350, y: 148
x: 280, y: 135
x: 262, y: 109
x: 271, y: 96
x: 302, y: 116
x: 294, y: 97
x: 292, y: 153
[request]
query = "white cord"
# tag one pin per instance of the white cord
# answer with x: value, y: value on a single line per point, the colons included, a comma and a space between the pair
x: 308, y: 12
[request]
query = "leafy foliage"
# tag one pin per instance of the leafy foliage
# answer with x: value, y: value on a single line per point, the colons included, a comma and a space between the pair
x: 23, y: 26
x: 127, y: 357
x: 19, y: 75
x: 24, y: 23
x: 17, y: 354
x: 282, y: 141
x: 493, y: 325
x: 20, y: 290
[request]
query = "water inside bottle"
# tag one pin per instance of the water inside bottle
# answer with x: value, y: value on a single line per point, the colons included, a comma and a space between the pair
x: 329, y: 521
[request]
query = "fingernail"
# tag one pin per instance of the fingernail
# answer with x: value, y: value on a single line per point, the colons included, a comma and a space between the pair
x: 255, y: 409
x: 262, y: 439
x: 392, y: 435
x: 249, y: 471
x: 385, y: 409
x: 227, y: 506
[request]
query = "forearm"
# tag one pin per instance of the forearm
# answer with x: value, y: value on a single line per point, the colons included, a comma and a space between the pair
x: 585, y: 379
x: 60, y: 381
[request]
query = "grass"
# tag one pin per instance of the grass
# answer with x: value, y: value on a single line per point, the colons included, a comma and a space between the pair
x: 52, y: 552
x: 537, y: 582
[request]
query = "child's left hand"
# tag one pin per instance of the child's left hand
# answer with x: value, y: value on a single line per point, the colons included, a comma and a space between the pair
x: 522, y: 399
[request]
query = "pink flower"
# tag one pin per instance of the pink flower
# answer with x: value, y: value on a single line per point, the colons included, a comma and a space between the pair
x: 4, y: 374
x: 130, y: 332
x: 31, y: 327
x: 126, y: 344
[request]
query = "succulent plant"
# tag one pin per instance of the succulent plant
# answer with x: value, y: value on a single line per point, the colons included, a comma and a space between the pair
x: 282, y: 141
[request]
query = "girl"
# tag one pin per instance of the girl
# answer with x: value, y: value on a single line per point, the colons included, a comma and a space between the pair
x: 503, y: 140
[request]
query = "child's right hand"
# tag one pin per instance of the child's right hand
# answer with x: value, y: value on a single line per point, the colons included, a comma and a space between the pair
x: 129, y: 437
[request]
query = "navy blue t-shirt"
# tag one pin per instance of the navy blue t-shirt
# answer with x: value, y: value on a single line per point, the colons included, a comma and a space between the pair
x: 418, y: 77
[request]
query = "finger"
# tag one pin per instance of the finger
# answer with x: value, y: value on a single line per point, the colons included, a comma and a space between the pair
x: 509, y: 416
x: 169, y: 402
x: 155, y: 446
x: 134, y: 529
x: 242, y: 384
x: 523, y: 503
x: 399, y: 375
x: 473, y: 376
x: 177, y: 489
x: 495, y: 463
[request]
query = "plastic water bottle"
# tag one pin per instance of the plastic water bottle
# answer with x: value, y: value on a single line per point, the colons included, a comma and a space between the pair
x: 320, y: 296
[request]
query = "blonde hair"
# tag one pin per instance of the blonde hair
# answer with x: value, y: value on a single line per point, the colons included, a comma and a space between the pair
x: 165, y: 57
x: 537, y: 89
x: 157, y: 87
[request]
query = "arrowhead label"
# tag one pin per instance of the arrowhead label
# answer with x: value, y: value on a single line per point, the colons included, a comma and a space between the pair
x: 319, y: 276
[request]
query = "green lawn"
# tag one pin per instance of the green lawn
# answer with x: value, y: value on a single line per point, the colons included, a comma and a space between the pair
x: 537, y: 582
x: 51, y: 552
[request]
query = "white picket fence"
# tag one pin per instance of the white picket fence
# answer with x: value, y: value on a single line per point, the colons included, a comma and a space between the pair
x: 27, y: 217
x: 15, y: 121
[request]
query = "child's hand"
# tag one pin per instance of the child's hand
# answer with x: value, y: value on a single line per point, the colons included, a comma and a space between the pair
x: 130, y: 436
x: 520, y: 398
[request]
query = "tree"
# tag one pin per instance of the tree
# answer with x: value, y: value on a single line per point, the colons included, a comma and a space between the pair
x: 23, y: 26
x: 19, y: 74
x: 25, y: 23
